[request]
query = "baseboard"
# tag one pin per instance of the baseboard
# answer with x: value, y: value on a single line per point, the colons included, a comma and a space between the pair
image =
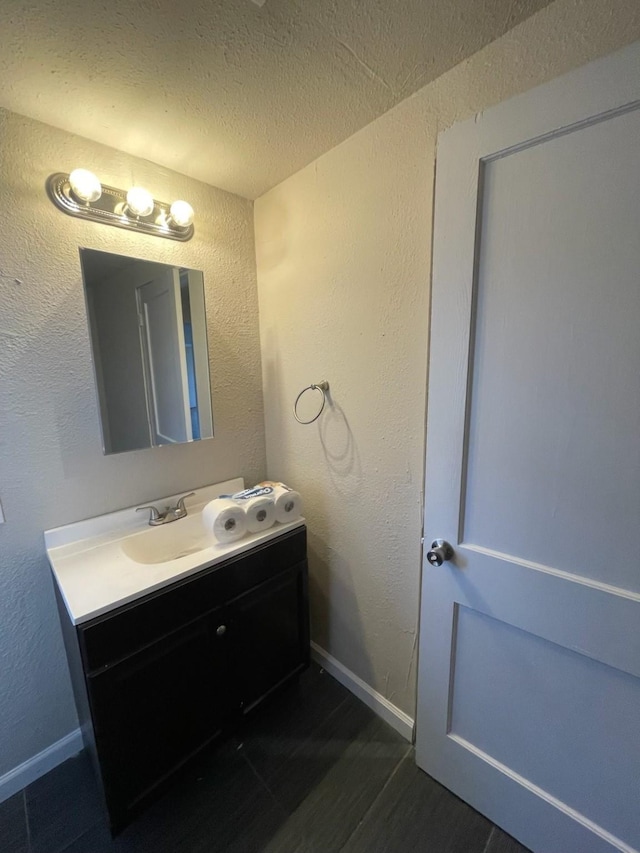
x: 31, y: 769
x: 400, y: 721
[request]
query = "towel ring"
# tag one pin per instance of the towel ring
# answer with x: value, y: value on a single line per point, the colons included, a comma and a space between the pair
x: 322, y: 387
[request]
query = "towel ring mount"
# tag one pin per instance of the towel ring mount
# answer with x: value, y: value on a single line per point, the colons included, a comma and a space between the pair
x: 322, y: 387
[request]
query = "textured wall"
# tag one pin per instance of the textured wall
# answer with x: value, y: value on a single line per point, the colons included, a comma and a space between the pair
x: 52, y: 470
x: 343, y: 253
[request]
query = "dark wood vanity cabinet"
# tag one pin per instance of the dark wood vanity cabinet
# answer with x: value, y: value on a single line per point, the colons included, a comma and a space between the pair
x: 164, y: 676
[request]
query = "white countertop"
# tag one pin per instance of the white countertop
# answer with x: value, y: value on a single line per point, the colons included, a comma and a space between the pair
x: 95, y: 575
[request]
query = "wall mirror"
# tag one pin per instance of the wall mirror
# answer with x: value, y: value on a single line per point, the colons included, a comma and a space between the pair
x: 147, y: 326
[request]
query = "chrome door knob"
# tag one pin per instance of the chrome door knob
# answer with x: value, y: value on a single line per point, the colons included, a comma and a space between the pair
x: 440, y: 552
x: 221, y: 630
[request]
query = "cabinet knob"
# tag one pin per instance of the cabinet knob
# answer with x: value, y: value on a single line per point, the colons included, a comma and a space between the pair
x: 221, y: 630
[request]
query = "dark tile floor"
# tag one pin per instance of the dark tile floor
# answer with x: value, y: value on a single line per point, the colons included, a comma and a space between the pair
x: 315, y: 772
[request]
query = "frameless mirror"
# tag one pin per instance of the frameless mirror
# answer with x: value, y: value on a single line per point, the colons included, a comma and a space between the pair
x: 148, y: 331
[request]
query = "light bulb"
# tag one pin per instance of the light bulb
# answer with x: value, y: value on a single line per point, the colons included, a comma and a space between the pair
x: 181, y: 213
x: 140, y: 201
x: 85, y: 185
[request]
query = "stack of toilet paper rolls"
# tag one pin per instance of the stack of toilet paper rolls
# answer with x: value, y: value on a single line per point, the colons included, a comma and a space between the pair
x: 230, y: 517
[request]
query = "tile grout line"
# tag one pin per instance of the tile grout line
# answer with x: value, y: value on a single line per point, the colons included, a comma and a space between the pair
x: 26, y: 818
x: 335, y: 710
x: 486, y: 846
x: 69, y: 843
x: 321, y: 723
x: 379, y: 794
x: 262, y: 781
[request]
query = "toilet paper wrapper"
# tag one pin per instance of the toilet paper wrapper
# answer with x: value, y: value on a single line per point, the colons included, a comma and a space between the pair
x: 225, y: 519
x: 288, y: 502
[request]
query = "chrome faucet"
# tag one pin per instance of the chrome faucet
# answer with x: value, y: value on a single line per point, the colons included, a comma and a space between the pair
x: 171, y: 513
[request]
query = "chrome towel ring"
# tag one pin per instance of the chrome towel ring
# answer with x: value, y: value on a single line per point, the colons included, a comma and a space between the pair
x: 322, y: 387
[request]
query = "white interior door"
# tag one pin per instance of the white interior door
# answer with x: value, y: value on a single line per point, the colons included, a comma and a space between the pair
x: 529, y: 668
x: 160, y: 310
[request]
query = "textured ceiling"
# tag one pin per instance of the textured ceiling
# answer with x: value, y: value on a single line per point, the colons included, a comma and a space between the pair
x: 237, y: 94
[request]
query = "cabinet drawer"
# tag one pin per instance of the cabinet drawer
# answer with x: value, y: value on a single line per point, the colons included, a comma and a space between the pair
x: 122, y: 632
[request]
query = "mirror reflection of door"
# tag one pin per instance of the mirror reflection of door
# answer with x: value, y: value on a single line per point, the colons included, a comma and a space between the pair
x: 164, y: 358
x: 148, y: 332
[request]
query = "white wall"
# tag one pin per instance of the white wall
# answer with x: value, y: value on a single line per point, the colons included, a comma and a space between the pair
x: 343, y: 255
x: 52, y: 469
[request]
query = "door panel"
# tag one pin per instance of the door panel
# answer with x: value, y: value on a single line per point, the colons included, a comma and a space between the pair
x: 529, y: 669
x: 555, y: 412
x: 566, y: 714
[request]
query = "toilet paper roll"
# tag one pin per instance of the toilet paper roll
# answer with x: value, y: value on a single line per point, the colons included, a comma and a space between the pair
x: 225, y: 519
x: 260, y: 513
x: 288, y: 503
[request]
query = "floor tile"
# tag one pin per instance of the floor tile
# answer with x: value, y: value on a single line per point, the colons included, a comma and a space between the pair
x: 220, y: 806
x: 63, y: 805
x: 13, y: 824
x: 330, y: 783
x: 500, y: 842
x: 294, y: 779
x: 96, y: 840
x: 280, y: 729
x: 415, y: 813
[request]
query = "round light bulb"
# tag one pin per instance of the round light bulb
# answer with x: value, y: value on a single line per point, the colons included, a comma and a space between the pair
x: 85, y: 185
x: 140, y: 201
x: 181, y: 213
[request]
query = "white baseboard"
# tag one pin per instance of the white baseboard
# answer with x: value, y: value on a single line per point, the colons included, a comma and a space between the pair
x: 400, y: 721
x: 31, y: 769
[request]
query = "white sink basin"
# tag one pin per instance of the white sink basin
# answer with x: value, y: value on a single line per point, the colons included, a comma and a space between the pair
x: 102, y: 563
x: 168, y: 542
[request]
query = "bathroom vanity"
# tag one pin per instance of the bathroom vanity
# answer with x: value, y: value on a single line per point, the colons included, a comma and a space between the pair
x: 163, y: 675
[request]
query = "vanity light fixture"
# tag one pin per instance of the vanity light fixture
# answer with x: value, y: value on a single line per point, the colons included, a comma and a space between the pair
x: 81, y: 194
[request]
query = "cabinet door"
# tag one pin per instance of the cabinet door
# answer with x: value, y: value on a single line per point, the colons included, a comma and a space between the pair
x: 271, y: 634
x: 155, y: 709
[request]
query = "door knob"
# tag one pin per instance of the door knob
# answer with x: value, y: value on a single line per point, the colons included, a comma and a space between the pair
x: 221, y: 630
x: 440, y: 552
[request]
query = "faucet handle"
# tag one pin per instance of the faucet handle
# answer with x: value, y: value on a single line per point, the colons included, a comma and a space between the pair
x: 180, y: 502
x: 154, y: 514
